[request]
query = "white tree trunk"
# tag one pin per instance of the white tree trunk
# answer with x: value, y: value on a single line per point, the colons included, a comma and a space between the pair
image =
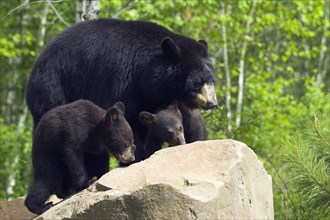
x: 323, y: 66
x: 322, y: 71
x: 241, y: 69
x: 14, y: 104
x: 228, y: 79
x: 42, y: 30
x: 87, y: 10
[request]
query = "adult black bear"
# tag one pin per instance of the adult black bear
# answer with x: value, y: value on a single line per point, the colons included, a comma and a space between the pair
x: 142, y: 64
x: 64, y: 139
x: 165, y: 125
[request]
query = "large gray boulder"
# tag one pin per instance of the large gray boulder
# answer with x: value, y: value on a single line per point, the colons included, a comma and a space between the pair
x: 220, y: 179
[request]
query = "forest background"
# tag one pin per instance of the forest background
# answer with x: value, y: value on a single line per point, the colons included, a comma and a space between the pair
x: 272, y: 67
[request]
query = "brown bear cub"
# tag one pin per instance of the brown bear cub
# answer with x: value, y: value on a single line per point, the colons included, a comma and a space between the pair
x: 63, y: 142
x: 163, y: 126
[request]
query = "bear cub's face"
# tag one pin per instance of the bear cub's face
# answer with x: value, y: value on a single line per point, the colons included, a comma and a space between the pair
x: 118, y: 134
x: 166, y: 124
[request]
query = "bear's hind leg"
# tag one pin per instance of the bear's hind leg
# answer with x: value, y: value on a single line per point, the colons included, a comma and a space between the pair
x: 74, y: 160
x: 38, y: 195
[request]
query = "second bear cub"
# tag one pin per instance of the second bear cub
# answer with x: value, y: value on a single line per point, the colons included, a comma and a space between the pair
x: 63, y: 141
x: 163, y: 126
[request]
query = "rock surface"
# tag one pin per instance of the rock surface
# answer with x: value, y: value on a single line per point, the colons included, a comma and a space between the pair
x: 221, y: 179
x: 15, y: 210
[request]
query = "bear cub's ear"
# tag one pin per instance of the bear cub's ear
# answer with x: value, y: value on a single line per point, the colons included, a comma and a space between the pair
x: 113, y: 112
x: 147, y: 118
x: 120, y: 106
x: 175, y: 105
x: 112, y: 115
x: 204, y: 43
x: 170, y: 48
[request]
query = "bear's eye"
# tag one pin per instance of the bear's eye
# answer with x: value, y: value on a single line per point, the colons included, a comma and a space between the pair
x: 199, y: 83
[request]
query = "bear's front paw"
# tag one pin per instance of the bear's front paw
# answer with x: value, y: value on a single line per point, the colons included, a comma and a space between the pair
x: 47, y: 206
x: 93, y: 180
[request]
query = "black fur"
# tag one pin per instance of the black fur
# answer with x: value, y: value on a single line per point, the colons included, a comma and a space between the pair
x: 193, y: 124
x: 139, y: 63
x: 163, y: 126
x: 70, y: 143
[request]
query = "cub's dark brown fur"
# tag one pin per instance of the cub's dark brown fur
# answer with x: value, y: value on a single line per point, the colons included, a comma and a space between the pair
x: 163, y: 126
x: 70, y: 143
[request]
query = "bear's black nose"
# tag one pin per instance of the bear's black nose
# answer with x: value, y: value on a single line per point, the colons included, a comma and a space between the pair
x: 211, y: 105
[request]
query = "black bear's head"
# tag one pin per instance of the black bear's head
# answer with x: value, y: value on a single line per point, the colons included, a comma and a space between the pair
x: 166, y: 124
x: 195, y: 69
x: 118, y: 134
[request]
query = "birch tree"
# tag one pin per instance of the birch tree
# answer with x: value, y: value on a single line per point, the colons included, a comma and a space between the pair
x: 87, y: 10
x: 323, y: 66
x: 226, y: 64
x: 241, y: 66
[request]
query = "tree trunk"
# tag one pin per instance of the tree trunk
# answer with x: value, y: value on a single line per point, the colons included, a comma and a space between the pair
x: 228, y: 79
x: 321, y: 71
x: 241, y: 69
x: 324, y: 55
x: 87, y: 10
x: 14, y: 102
x: 42, y: 30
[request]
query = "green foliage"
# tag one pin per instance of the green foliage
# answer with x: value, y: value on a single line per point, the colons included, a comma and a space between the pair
x: 308, y: 163
x: 113, y: 163
x: 15, y: 163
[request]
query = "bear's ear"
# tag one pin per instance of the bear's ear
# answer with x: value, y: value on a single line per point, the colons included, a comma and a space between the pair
x: 170, y: 48
x: 204, y: 43
x: 112, y: 114
x: 120, y: 106
x: 175, y: 105
x: 146, y: 118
